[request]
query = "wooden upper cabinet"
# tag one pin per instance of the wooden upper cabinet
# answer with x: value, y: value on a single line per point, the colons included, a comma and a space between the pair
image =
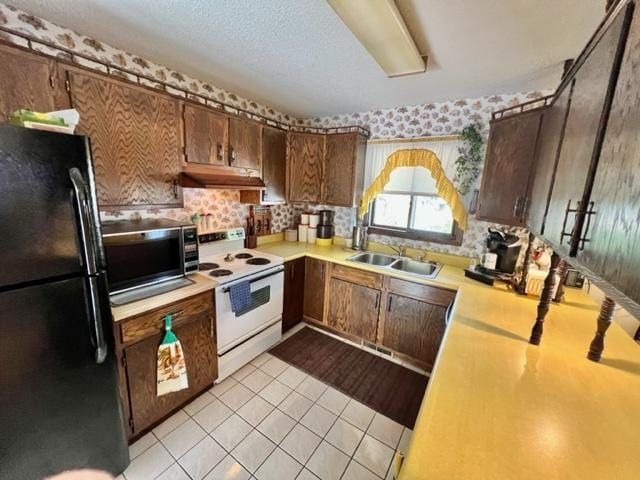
x: 274, y: 161
x: 353, y: 309
x: 582, y: 135
x: 315, y: 272
x: 613, y: 249
x: 206, y: 135
x: 305, y: 159
x: 343, y: 169
x: 27, y: 80
x: 245, y: 144
x: 508, y: 167
x: 547, y: 151
x: 135, y: 140
x: 414, y: 327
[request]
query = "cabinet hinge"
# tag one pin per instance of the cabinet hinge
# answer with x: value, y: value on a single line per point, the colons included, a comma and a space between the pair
x: 52, y: 81
x: 131, y: 426
x: 67, y: 86
x: 123, y: 361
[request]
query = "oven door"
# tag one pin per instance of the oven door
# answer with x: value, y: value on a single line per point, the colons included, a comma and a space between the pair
x: 265, y: 309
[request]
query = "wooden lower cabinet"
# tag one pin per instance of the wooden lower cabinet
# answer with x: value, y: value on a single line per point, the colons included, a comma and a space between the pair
x: 405, y: 317
x: 414, y: 328
x: 293, y: 307
x: 314, y: 288
x: 138, y: 339
x: 353, y: 309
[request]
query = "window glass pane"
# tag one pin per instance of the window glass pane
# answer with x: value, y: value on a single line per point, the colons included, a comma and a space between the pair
x: 392, y: 210
x: 432, y: 214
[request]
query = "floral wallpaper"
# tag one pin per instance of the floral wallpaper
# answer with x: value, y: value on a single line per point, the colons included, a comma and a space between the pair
x: 223, y: 205
x: 439, y: 118
x: 19, y: 21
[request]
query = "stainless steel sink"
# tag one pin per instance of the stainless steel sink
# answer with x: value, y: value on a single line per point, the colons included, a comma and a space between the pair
x: 402, y: 264
x: 426, y: 269
x: 371, y: 258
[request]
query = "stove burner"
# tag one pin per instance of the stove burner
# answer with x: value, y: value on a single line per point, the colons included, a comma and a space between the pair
x: 220, y: 273
x: 244, y: 255
x: 207, y: 266
x: 258, y: 261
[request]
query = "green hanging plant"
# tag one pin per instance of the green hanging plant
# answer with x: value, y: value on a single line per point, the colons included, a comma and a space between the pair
x: 468, y: 163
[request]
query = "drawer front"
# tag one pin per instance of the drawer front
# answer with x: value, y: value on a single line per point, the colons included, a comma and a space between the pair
x: 151, y: 323
x: 355, y: 275
x: 427, y: 293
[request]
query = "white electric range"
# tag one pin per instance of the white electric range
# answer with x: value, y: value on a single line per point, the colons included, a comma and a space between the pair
x: 242, y: 335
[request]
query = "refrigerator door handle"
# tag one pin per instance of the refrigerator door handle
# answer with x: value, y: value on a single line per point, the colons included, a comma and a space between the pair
x: 84, y: 214
x: 96, y: 318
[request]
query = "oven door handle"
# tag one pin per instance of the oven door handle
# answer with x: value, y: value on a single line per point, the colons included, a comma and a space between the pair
x: 271, y: 274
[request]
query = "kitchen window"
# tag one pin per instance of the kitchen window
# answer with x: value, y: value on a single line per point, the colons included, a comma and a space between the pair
x: 417, y: 216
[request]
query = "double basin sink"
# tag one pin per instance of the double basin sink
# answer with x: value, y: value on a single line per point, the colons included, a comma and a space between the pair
x: 402, y: 264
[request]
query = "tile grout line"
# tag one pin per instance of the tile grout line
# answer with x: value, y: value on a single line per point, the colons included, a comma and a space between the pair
x: 323, y: 438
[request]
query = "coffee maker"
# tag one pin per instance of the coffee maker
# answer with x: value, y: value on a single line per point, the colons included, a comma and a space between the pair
x: 507, y: 249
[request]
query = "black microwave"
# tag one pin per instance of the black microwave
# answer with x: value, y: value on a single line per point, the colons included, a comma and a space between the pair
x: 145, y: 252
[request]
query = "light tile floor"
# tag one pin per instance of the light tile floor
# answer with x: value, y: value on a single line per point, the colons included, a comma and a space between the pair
x: 269, y: 421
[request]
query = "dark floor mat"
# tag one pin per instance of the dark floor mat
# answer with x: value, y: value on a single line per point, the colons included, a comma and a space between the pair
x: 386, y: 387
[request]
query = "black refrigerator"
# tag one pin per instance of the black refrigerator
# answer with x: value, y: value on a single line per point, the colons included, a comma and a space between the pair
x: 59, y: 402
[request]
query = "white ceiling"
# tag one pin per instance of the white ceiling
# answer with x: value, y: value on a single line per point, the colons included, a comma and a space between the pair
x: 298, y: 56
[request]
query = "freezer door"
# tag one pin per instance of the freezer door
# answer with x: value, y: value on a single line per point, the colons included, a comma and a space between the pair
x: 59, y: 403
x: 39, y: 220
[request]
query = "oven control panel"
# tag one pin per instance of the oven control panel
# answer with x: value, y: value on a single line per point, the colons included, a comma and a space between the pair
x: 230, y: 234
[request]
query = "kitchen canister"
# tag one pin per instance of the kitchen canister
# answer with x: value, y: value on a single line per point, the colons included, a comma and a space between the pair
x: 326, y: 217
x: 302, y: 233
x: 325, y: 231
x: 304, y: 219
x: 290, y: 235
x: 311, y: 235
x: 314, y: 219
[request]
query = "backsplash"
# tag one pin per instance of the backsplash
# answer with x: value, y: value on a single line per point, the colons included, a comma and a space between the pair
x: 224, y: 205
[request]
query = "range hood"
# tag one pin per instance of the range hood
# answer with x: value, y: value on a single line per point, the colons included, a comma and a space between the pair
x: 211, y: 176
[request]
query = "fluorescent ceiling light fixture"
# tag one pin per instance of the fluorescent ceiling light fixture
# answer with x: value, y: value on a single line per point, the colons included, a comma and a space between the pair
x: 381, y: 29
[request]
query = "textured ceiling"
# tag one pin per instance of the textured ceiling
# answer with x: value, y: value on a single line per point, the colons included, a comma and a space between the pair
x: 298, y: 56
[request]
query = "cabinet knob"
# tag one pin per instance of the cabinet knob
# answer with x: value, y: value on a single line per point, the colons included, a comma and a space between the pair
x: 220, y: 150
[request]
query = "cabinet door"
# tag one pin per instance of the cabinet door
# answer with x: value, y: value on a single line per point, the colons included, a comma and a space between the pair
x: 583, y: 131
x: 314, y: 284
x: 206, y: 135
x: 135, y: 140
x: 613, y: 250
x: 547, y: 151
x: 26, y: 81
x: 245, y: 144
x: 274, y: 160
x: 293, y: 293
x: 339, y: 169
x: 414, y: 328
x: 305, y: 167
x: 353, y: 309
x: 198, y: 343
x: 508, y: 166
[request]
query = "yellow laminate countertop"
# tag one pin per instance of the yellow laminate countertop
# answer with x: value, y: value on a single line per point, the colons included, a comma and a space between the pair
x: 497, y: 407
x: 200, y: 284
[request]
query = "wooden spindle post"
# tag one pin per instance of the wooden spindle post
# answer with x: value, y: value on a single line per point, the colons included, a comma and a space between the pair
x: 604, y: 320
x: 562, y: 273
x: 522, y: 286
x: 545, y: 300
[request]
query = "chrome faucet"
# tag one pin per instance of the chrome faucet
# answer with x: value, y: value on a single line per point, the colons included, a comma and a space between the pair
x: 400, y: 250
